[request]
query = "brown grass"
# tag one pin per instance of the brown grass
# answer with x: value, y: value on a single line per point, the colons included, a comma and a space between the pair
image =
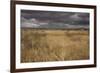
x: 54, y: 45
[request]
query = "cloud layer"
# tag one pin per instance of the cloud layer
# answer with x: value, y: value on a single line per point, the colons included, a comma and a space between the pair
x: 50, y: 19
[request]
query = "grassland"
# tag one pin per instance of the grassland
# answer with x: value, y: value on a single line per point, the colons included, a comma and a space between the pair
x: 54, y: 45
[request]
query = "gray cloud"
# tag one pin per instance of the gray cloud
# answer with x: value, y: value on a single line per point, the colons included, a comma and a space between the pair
x: 50, y: 19
x: 31, y: 23
x: 28, y: 22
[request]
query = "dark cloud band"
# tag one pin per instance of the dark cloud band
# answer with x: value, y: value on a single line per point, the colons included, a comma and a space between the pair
x: 53, y: 19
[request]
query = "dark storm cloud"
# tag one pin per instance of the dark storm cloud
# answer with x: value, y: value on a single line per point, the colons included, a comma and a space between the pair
x: 51, y: 19
x: 46, y: 15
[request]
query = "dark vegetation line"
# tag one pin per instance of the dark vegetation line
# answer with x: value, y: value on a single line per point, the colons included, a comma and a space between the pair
x: 55, y: 28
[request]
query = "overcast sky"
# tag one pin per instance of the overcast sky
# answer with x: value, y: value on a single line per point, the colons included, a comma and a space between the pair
x: 52, y: 19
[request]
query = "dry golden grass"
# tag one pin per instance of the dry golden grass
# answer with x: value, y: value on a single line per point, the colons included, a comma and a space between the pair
x: 54, y: 45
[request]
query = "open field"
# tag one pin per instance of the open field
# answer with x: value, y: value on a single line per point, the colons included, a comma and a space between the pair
x: 54, y: 45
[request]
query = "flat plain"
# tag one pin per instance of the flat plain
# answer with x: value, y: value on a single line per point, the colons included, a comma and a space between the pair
x: 42, y: 45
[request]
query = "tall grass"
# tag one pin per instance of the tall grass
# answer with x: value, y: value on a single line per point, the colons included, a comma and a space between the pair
x: 54, y: 45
